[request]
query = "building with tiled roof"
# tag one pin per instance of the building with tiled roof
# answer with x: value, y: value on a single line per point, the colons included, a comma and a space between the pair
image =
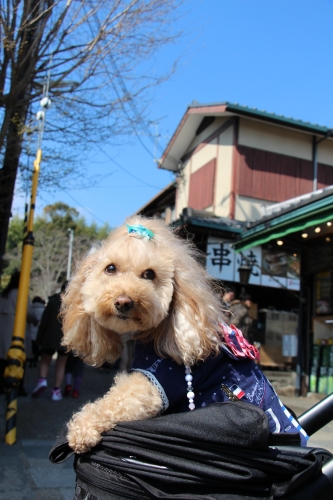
x: 255, y: 181
x: 232, y: 159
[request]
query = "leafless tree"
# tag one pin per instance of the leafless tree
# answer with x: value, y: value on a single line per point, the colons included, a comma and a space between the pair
x: 94, y: 60
x: 49, y: 264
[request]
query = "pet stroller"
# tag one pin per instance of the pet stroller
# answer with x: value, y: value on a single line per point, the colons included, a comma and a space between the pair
x: 223, y: 451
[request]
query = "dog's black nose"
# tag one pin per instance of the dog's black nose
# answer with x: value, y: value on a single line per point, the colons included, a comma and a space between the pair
x: 123, y: 303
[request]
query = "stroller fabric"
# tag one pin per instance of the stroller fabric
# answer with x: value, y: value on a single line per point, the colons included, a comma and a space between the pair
x: 222, y: 451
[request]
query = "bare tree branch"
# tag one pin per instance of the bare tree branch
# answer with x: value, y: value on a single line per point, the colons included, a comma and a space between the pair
x: 95, y: 54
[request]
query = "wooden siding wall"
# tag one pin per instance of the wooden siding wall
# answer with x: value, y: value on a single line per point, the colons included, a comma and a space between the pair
x: 276, y: 177
x: 202, y: 183
x: 325, y: 175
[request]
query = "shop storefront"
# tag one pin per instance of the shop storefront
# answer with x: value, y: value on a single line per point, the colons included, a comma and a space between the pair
x: 318, y: 271
x: 273, y: 285
x: 306, y: 224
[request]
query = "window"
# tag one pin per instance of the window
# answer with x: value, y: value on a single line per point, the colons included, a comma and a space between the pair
x: 202, y: 184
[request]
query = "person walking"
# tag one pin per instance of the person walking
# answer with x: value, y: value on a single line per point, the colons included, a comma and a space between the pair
x: 38, y: 305
x: 8, y: 301
x: 240, y: 315
x: 49, y: 339
x: 227, y: 296
x: 73, y: 375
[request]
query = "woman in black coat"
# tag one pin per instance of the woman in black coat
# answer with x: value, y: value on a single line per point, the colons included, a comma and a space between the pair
x: 49, y: 339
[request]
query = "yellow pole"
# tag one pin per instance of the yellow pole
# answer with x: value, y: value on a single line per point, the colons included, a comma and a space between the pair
x: 16, y: 355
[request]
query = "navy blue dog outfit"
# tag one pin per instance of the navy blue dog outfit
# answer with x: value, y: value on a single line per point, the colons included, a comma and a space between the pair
x: 234, y: 368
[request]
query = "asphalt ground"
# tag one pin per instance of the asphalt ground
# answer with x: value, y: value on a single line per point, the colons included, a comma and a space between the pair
x: 25, y: 471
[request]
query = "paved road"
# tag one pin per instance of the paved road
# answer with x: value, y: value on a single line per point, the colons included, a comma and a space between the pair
x: 25, y: 471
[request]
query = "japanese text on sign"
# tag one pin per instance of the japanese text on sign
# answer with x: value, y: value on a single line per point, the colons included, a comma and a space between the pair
x: 223, y: 263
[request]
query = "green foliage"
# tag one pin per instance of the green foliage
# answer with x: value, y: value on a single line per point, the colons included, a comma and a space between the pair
x: 50, y: 257
x: 15, y: 233
x: 60, y: 216
x: 14, y: 247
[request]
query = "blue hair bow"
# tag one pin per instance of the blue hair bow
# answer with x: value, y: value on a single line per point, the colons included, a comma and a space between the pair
x: 141, y: 231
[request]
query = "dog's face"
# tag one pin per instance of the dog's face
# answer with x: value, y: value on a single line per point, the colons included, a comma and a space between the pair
x: 149, y: 286
x: 129, y: 288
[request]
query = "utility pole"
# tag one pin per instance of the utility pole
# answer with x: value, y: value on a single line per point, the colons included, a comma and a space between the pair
x: 16, y: 355
x: 25, y: 57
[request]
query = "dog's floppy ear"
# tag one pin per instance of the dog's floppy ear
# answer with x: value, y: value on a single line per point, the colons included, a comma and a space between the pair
x: 82, y: 333
x: 196, y: 311
x: 89, y: 340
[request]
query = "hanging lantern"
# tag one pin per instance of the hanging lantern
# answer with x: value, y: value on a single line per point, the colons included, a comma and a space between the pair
x: 244, y: 273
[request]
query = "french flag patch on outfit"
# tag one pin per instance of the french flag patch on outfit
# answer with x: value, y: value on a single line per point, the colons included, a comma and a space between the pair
x: 237, y: 391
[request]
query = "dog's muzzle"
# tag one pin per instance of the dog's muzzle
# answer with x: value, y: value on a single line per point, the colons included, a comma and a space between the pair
x: 123, y: 304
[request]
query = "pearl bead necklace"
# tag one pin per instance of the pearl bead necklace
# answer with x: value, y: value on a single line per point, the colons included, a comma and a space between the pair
x: 190, y: 393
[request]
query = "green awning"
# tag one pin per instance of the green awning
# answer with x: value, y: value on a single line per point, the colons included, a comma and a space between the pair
x: 292, y: 221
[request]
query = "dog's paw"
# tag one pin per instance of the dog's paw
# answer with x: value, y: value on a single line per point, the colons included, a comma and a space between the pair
x: 82, y: 436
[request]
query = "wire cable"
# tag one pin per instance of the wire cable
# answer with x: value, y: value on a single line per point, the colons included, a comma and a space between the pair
x: 84, y: 208
x: 132, y: 105
x: 127, y: 172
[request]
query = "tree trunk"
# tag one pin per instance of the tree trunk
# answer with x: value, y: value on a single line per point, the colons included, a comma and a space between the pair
x: 22, y: 76
x: 8, y: 173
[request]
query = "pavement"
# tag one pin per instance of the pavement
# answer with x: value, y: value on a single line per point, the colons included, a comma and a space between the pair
x: 25, y: 471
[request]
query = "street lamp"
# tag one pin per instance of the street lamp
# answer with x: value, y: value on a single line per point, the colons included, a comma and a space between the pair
x: 244, y: 273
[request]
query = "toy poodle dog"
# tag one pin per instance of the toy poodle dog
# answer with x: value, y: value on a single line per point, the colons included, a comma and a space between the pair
x: 147, y: 284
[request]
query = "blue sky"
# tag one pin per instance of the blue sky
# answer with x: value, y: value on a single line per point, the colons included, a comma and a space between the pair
x: 273, y: 55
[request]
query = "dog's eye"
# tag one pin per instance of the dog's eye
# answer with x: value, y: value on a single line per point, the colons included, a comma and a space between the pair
x: 110, y: 269
x: 148, y: 274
